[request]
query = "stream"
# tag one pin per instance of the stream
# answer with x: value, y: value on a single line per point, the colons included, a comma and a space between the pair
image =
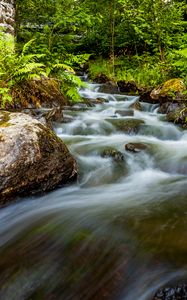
x: 120, y: 233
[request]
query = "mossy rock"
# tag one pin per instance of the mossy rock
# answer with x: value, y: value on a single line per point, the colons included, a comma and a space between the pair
x: 44, y: 92
x: 112, y: 153
x: 135, y: 147
x: 172, y: 89
x: 109, y: 88
x: 32, y: 158
x: 127, y: 125
x: 177, y: 116
x: 136, y: 105
x: 125, y: 112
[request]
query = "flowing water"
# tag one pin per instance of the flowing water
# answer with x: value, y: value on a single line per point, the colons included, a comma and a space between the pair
x: 120, y: 232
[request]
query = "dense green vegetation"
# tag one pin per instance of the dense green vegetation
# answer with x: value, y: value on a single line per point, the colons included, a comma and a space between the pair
x: 144, y: 41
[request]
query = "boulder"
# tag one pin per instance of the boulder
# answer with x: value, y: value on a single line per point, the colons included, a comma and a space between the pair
x: 177, y: 116
x: 128, y: 87
x: 135, y: 147
x: 113, y: 153
x: 145, y: 95
x: 128, y: 125
x: 171, y: 90
x: 125, y: 112
x: 109, y: 88
x: 32, y: 158
x: 167, y: 107
x: 136, y: 105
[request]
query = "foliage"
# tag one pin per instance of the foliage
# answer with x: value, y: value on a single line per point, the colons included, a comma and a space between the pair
x: 15, y: 68
x: 143, y: 70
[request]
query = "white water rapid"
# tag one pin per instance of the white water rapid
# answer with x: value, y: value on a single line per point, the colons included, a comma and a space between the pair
x: 121, y: 231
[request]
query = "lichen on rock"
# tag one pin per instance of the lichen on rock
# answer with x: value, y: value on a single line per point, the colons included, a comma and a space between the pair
x: 32, y: 158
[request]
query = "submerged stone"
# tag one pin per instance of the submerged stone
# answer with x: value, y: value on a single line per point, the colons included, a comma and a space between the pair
x: 128, y: 125
x: 136, y: 105
x: 113, y: 153
x: 135, y: 147
x: 32, y: 158
x: 125, y: 112
x: 109, y: 88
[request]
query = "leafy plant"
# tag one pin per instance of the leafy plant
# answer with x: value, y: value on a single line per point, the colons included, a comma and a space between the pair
x: 15, y: 68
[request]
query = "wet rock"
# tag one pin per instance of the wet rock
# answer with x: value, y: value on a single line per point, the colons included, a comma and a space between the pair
x: 127, y: 87
x: 113, y: 153
x: 128, y: 125
x: 172, y: 293
x: 135, y: 147
x: 101, y: 78
x: 32, y: 158
x: 125, y: 112
x: 145, y: 95
x: 76, y: 108
x: 101, y: 100
x: 94, y: 101
x: 67, y: 119
x: 109, y: 88
x: 136, y: 105
x: 168, y: 107
x: 177, y: 116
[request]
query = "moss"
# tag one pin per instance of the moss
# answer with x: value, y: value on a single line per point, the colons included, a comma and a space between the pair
x: 173, y: 86
x: 37, y: 93
x: 1, y: 138
x: 4, y: 118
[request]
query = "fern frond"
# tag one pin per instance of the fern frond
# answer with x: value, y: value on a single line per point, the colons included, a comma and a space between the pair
x: 26, y: 46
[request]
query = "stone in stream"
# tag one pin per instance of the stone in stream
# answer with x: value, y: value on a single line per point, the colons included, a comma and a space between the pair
x: 172, y: 293
x: 32, y: 158
x: 135, y: 147
x: 113, y: 153
x: 129, y: 87
x: 136, y: 105
x: 128, y: 125
x: 109, y: 88
x: 125, y: 112
x: 177, y: 116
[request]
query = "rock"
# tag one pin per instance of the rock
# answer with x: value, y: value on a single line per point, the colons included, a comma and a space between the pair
x: 125, y: 112
x: 135, y: 147
x: 92, y: 101
x: 127, y: 87
x: 32, y: 158
x: 67, y: 119
x: 170, y: 90
x: 177, y: 116
x: 113, y: 153
x: 101, y: 78
x: 109, y: 88
x: 172, y: 293
x: 75, y: 108
x: 128, y: 125
x: 168, y: 107
x: 145, y: 95
x: 136, y: 105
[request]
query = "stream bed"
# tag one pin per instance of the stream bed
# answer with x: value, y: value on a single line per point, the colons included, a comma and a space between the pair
x: 120, y: 233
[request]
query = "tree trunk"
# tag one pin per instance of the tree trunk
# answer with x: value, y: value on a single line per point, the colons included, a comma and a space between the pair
x: 7, y: 15
x: 112, y: 34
